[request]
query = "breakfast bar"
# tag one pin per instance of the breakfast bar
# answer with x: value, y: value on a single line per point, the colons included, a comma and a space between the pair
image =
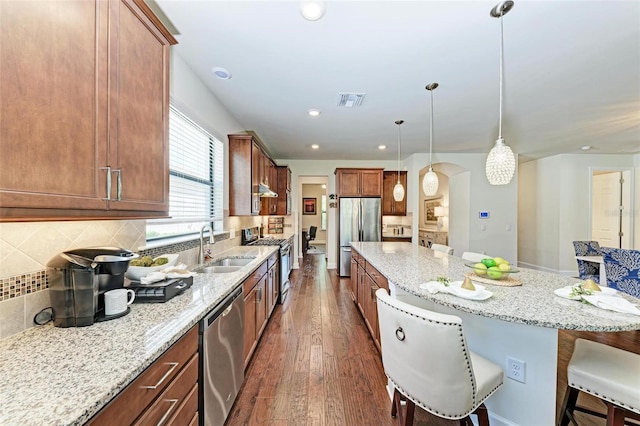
x: 518, y: 322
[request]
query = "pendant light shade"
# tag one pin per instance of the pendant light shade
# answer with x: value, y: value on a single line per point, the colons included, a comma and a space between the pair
x: 501, y: 163
x: 398, y: 190
x: 430, y: 179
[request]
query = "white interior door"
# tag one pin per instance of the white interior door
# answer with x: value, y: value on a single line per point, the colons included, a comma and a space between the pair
x: 605, y: 208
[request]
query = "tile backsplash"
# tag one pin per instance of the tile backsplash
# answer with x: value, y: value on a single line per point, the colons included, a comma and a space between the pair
x: 25, y: 249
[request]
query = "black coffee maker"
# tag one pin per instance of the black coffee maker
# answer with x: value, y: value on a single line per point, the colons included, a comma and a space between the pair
x: 78, y: 280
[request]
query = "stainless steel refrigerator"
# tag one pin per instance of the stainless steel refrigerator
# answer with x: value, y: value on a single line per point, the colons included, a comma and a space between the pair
x: 360, y: 220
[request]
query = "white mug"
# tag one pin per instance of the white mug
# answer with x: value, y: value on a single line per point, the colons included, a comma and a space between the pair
x: 116, y: 301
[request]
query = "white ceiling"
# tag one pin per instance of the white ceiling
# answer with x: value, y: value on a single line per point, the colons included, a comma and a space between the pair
x: 572, y: 74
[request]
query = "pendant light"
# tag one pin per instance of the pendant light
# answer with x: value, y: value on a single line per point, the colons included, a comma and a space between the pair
x: 430, y: 179
x: 398, y: 190
x: 501, y: 163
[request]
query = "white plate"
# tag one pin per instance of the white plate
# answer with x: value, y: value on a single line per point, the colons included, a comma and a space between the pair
x: 565, y: 291
x: 480, y: 293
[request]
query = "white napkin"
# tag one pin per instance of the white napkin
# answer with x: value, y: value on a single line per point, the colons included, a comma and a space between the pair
x: 612, y: 303
x: 178, y: 271
x: 480, y: 293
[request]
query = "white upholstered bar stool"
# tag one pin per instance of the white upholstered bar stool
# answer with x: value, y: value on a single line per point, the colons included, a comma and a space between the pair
x: 425, y: 356
x: 442, y: 248
x: 609, y: 373
x: 474, y: 257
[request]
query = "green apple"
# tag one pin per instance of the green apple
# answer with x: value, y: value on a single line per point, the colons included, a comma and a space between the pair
x: 494, y: 273
x: 499, y: 261
x: 480, y: 269
x: 504, y: 267
x: 488, y: 262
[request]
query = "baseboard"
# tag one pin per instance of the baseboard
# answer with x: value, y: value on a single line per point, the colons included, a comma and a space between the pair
x: 570, y: 273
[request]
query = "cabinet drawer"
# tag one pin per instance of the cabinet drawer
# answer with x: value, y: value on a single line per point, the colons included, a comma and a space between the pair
x: 188, y: 410
x: 132, y: 401
x: 172, y: 400
x: 272, y: 259
x: 253, y: 279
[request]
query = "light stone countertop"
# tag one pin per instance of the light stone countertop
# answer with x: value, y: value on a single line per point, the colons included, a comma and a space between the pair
x: 406, y: 235
x: 534, y: 303
x: 64, y: 376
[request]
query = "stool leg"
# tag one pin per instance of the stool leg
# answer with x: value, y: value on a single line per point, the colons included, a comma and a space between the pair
x: 395, y: 403
x: 483, y: 415
x: 615, y: 416
x: 569, y: 403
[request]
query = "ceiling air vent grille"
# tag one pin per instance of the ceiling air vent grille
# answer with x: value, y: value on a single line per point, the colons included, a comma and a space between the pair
x: 349, y: 100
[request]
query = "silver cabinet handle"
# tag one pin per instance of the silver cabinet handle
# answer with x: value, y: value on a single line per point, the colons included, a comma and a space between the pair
x: 259, y: 296
x: 108, y: 170
x: 119, y: 184
x: 163, y: 378
x: 172, y: 403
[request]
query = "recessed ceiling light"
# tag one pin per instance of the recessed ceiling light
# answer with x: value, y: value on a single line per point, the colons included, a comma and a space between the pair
x: 586, y: 148
x: 313, y: 112
x: 221, y: 73
x: 381, y: 147
x: 315, y: 146
x: 312, y: 10
x: 324, y: 186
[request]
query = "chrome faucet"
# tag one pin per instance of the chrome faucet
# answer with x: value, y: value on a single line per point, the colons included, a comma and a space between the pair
x: 211, y: 241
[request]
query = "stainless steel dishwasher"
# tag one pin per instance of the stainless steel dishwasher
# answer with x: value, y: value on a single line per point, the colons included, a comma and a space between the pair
x: 222, y: 360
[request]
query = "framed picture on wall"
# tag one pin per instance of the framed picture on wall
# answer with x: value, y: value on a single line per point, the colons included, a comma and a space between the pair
x: 308, y: 206
x: 430, y: 210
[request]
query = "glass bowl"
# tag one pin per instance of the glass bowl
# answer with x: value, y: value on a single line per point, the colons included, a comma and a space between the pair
x: 134, y: 273
x: 492, y: 274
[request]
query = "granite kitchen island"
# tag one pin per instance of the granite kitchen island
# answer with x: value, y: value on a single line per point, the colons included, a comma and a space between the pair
x: 520, y: 322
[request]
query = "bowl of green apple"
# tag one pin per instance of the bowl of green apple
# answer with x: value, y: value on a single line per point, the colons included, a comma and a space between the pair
x: 493, y: 268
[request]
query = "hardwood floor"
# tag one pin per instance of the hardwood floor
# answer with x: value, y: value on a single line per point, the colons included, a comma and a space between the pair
x: 316, y: 364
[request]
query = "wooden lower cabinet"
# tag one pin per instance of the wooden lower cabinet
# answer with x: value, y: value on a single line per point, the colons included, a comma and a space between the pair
x: 365, y: 281
x: 260, y: 298
x: 164, y: 392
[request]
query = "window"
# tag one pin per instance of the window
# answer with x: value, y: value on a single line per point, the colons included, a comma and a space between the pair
x: 195, y: 180
x: 323, y: 212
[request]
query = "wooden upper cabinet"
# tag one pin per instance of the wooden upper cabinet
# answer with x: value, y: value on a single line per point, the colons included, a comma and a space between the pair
x: 391, y: 207
x: 99, y: 112
x: 138, y: 119
x: 245, y: 172
x: 359, y: 182
x: 284, y: 191
x: 53, y: 127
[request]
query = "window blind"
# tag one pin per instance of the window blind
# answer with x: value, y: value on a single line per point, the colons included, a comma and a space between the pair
x: 195, y: 179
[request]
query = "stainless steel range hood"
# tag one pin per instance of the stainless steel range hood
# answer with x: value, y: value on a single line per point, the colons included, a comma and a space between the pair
x: 265, y: 192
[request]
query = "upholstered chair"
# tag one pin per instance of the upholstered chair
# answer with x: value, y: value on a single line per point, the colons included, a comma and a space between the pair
x: 608, y: 373
x: 623, y: 269
x: 426, y: 358
x: 588, y: 269
x: 442, y: 248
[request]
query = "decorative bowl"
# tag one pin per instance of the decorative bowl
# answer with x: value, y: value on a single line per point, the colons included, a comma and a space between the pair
x: 492, y: 274
x: 134, y: 273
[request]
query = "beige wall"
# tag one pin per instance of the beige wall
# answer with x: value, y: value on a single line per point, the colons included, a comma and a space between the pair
x: 554, y: 207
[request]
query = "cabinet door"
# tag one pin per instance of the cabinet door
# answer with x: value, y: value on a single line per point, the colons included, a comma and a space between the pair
x: 391, y: 207
x: 249, y: 325
x: 257, y: 165
x: 139, y: 110
x: 261, y: 305
x: 371, y: 308
x: 348, y: 183
x: 371, y: 183
x: 354, y: 277
x: 53, y: 81
x: 362, y: 292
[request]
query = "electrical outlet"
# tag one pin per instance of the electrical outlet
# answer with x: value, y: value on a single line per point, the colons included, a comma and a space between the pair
x: 516, y: 369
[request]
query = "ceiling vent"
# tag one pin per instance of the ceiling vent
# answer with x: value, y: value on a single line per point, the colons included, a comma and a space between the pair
x: 349, y: 100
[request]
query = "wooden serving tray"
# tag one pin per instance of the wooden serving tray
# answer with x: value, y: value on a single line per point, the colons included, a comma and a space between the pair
x: 505, y: 282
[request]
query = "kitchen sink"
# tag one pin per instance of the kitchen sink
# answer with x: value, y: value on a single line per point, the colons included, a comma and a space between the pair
x: 218, y: 269
x: 232, y: 261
